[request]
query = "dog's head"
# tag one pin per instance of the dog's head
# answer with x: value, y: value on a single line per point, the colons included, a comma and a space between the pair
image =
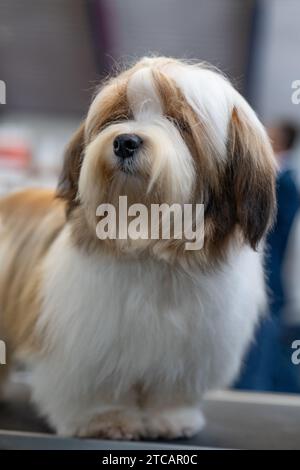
x: 169, y: 131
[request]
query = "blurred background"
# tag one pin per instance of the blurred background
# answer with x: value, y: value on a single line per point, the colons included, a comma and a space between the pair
x: 54, y: 52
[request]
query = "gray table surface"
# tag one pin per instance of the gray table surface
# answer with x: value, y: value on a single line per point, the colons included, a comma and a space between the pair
x: 235, y: 420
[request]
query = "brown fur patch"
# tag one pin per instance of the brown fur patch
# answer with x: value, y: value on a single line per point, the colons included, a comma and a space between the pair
x: 68, y: 181
x: 30, y: 222
x: 252, y: 168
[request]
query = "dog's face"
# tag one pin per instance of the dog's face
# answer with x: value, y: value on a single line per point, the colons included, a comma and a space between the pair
x: 167, y: 131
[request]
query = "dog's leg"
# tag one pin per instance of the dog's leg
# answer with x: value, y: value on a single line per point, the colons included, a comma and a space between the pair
x: 76, y: 408
x: 72, y: 414
x: 127, y: 424
x: 153, y: 421
x: 173, y: 422
x: 104, y: 422
x: 170, y: 414
x: 135, y: 423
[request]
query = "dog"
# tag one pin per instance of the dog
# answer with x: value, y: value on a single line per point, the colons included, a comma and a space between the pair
x: 124, y: 336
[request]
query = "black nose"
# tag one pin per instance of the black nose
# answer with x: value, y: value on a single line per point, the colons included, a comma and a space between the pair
x: 126, y: 144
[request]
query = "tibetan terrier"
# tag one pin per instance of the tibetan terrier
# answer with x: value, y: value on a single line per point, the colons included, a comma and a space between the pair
x: 125, y: 335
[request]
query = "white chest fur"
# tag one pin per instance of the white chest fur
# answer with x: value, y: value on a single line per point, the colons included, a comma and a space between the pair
x: 117, y: 323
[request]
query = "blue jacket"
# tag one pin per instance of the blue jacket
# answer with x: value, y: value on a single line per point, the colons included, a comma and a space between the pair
x: 268, y: 365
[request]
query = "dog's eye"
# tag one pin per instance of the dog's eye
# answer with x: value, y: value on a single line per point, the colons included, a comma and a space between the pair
x: 115, y: 120
x: 181, y: 125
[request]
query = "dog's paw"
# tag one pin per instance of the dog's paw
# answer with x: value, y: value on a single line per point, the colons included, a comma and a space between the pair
x: 174, y: 423
x: 115, y: 425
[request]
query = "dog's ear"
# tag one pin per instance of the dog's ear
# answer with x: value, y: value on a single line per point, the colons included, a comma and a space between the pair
x: 252, y: 170
x: 68, y: 181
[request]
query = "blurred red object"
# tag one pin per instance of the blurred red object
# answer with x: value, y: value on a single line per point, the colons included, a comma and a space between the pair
x: 16, y: 155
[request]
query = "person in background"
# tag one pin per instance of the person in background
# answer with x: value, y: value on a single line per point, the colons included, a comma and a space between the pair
x: 268, y: 365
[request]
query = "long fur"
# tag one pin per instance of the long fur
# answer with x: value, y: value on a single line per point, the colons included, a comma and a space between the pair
x: 125, y: 336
